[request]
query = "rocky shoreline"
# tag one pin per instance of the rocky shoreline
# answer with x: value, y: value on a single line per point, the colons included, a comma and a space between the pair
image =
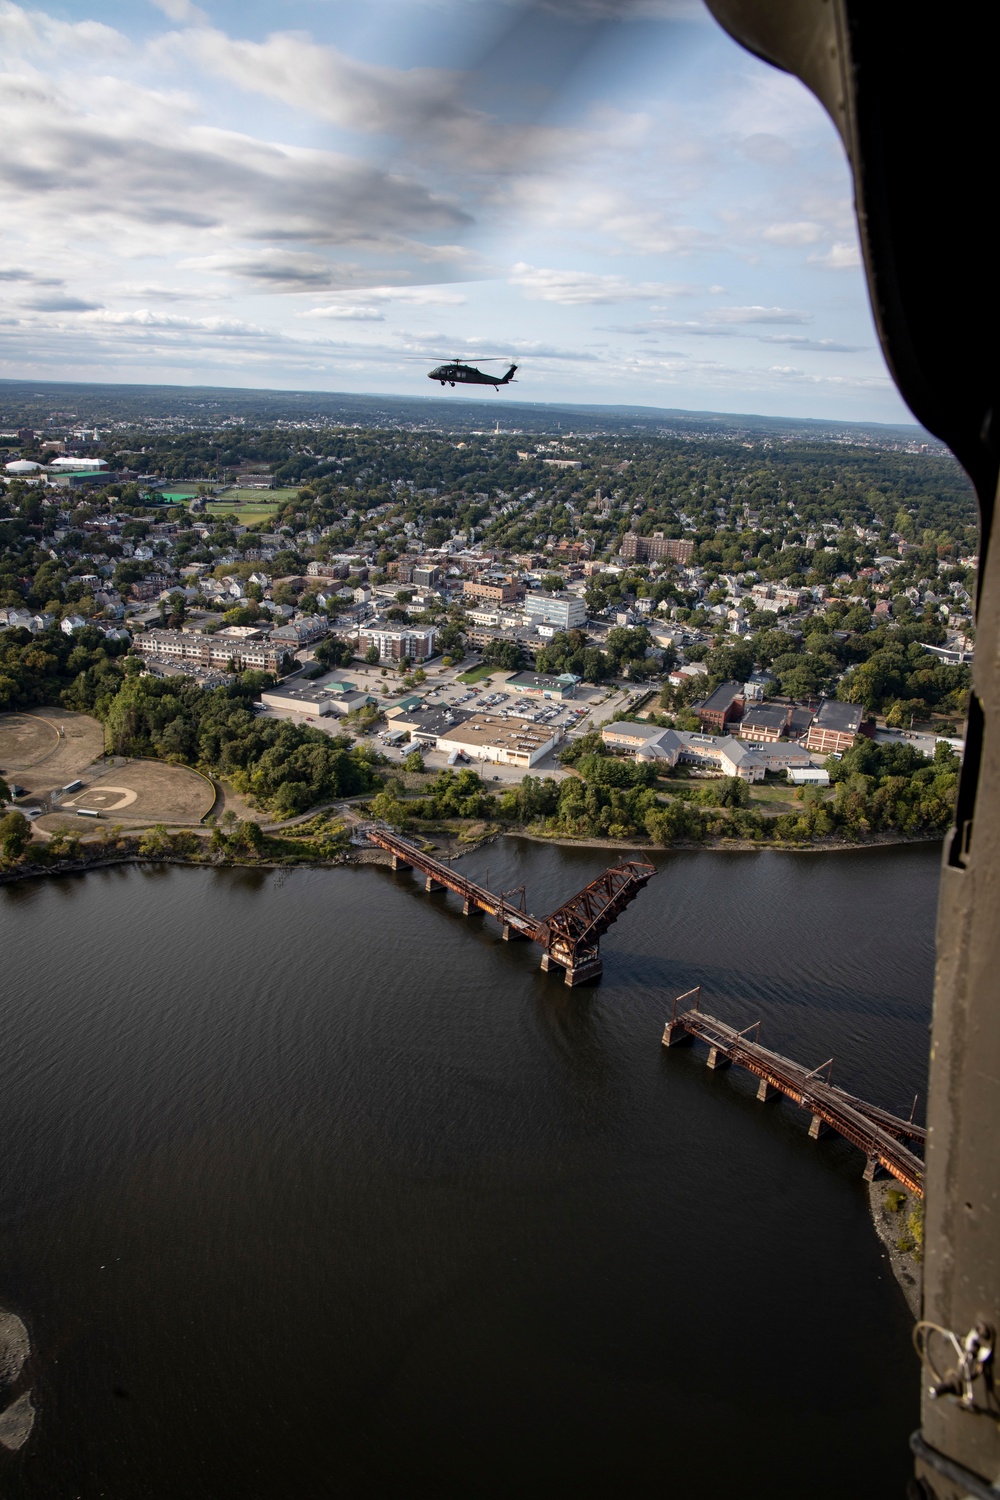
x: 890, y: 1226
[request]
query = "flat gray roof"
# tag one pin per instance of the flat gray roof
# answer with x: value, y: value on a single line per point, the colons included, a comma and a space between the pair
x: 845, y: 717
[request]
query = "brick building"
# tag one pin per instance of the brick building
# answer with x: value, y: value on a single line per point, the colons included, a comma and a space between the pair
x: 835, y: 727
x: 722, y: 707
x: 656, y: 548
x: 492, y: 590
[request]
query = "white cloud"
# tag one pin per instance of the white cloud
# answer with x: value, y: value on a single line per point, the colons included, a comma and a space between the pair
x: 800, y: 232
x: 586, y: 288
x: 144, y: 317
x: 839, y: 257
x: 738, y: 315
x: 182, y: 11
x: 347, y: 314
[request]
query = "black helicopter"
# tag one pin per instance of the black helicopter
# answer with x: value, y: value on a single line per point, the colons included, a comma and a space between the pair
x: 457, y: 373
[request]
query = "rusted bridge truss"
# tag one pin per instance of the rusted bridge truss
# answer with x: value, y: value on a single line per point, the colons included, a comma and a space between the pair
x: 876, y: 1132
x: 569, y: 937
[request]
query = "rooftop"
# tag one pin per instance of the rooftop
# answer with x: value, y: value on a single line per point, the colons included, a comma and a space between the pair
x: 723, y: 696
x: 845, y: 717
x: 484, y: 729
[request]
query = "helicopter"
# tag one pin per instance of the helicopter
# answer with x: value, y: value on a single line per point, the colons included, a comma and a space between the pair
x: 454, y: 372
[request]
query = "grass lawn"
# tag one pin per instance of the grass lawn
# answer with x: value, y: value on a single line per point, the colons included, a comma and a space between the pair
x: 478, y: 673
x: 249, y: 506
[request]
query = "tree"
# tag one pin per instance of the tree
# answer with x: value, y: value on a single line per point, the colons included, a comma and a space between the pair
x: 334, y: 652
x: 15, y: 834
x: 5, y: 793
x: 509, y: 655
x: 414, y: 761
x: 372, y: 656
x: 249, y: 837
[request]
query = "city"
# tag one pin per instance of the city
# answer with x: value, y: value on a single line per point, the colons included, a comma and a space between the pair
x: 775, y: 634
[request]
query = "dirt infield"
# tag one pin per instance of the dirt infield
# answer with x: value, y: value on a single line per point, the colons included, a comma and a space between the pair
x: 134, y: 793
x: 47, y: 747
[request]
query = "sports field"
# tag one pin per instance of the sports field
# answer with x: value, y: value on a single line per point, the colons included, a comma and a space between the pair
x: 135, y: 793
x: 250, y: 506
x: 48, y: 747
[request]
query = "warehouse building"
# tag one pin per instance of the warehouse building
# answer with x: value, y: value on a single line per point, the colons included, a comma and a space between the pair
x: 310, y: 698
x: 486, y: 738
x: 543, y: 686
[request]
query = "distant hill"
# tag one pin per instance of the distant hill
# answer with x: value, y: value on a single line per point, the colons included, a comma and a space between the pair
x: 37, y: 403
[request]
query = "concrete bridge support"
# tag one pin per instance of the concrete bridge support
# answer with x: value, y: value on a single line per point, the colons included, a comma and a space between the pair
x: 765, y: 1091
x: 400, y: 864
x: 718, y: 1059
x: 430, y: 884
x: 817, y: 1128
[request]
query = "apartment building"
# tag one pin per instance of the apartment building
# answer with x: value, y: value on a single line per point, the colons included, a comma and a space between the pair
x: 397, y: 642
x: 211, y: 650
x: 656, y: 548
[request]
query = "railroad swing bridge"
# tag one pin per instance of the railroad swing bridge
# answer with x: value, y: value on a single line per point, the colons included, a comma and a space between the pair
x: 569, y: 937
x: 880, y: 1135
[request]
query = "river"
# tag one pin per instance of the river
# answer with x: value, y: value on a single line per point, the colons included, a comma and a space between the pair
x: 313, y: 1188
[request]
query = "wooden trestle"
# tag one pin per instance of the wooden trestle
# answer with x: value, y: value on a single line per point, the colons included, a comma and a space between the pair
x: 876, y: 1132
x: 569, y: 937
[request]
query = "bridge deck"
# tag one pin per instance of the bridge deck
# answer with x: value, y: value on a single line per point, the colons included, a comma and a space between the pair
x: 441, y: 874
x: 874, y: 1131
x: 569, y: 937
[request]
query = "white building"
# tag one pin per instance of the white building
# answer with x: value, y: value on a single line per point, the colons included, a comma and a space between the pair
x: 564, y: 611
x: 486, y: 738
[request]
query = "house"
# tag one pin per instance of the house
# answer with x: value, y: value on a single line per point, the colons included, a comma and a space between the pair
x: 723, y: 706
x: 71, y: 624
x: 835, y: 727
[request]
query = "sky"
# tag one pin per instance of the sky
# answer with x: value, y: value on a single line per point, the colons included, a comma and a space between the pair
x: 336, y: 196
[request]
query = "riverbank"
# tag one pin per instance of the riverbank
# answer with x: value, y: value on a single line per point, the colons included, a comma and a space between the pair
x: 97, y: 856
x: 824, y: 846
x: 891, y: 1208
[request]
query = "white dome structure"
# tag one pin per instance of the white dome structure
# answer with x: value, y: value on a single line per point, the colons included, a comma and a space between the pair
x: 22, y: 466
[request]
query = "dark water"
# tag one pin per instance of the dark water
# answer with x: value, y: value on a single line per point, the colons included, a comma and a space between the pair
x: 311, y: 1188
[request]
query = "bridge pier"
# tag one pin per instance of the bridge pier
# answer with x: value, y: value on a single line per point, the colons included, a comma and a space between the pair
x: 512, y: 934
x: 467, y: 908
x: 765, y: 1091
x: 430, y: 884
x: 400, y: 864
x: 587, y: 969
x: 717, y: 1058
x: 871, y: 1168
x: 676, y: 1035
x: 817, y: 1128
